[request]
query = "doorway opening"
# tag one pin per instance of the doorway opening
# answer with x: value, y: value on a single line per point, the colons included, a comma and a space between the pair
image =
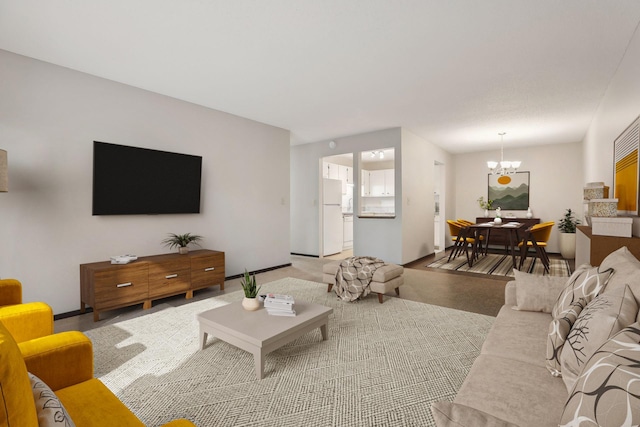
x: 336, y: 214
x: 439, y: 216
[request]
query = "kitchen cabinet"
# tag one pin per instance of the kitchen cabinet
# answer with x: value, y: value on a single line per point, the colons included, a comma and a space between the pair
x: 381, y: 183
x: 341, y: 172
x: 346, y: 174
x: 366, y: 188
x: 330, y: 170
x: 390, y: 182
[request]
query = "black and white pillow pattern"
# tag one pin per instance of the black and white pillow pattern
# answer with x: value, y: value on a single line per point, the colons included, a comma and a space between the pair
x: 607, y: 392
x: 50, y: 411
x: 558, y: 330
x: 586, y: 282
x: 602, y: 318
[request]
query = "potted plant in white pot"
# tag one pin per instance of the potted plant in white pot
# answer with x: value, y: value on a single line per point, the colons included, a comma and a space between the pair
x: 181, y: 241
x: 567, y: 227
x: 251, y: 289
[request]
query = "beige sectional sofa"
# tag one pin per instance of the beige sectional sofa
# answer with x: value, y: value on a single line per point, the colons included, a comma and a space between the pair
x: 511, y: 382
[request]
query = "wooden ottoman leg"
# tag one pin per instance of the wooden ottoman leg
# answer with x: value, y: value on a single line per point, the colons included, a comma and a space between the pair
x: 329, y: 287
x: 380, y: 298
x: 397, y: 291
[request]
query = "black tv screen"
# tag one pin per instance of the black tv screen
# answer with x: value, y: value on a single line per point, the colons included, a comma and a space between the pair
x: 131, y: 181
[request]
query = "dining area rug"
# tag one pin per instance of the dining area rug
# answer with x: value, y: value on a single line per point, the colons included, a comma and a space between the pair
x: 502, y: 265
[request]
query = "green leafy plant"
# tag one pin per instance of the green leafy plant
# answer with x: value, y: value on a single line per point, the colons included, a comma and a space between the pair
x: 249, y: 285
x: 483, y: 204
x: 181, y: 240
x: 568, y: 223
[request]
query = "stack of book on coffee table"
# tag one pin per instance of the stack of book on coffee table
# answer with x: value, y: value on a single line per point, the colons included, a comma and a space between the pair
x: 279, y: 305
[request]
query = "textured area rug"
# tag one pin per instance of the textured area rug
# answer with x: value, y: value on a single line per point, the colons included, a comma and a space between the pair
x: 383, y: 365
x: 502, y: 265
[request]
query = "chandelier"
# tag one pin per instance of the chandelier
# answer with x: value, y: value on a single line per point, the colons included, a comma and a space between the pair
x: 504, y: 167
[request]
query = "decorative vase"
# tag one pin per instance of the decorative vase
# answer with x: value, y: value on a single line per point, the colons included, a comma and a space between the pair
x: 497, y: 220
x: 183, y: 250
x: 529, y: 213
x: 568, y: 245
x: 250, y: 304
x: 486, y: 213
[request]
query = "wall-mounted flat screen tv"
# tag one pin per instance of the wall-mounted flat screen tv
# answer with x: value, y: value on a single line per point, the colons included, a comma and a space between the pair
x: 132, y: 181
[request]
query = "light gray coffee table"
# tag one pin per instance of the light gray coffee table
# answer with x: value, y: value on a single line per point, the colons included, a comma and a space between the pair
x: 258, y: 332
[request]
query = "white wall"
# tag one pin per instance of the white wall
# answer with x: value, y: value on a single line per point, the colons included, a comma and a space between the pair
x: 556, y: 182
x: 418, y: 186
x: 619, y: 107
x: 372, y: 237
x: 405, y: 238
x: 49, y: 118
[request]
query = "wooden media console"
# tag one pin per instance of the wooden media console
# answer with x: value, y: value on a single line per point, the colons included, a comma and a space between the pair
x: 106, y: 286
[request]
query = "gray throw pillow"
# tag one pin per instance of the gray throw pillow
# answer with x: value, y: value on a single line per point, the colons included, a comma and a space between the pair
x: 627, y: 270
x: 537, y: 293
x: 602, y: 318
x: 607, y: 392
x: 586, y: 282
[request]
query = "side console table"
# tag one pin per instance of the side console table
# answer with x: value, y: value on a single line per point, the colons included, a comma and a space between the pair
x: 106, y: 286
x: 593, y: 249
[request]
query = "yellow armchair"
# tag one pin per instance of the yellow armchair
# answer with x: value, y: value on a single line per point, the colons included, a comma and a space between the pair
x: 24, y: 321
x: 10, y: 292
x: 64, y: 362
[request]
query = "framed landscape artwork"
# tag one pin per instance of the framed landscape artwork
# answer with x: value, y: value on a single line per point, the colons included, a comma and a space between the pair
x: 626, y: 176
x: 509, y: 192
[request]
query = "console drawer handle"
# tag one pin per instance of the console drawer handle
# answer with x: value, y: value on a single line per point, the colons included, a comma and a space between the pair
x: 171, y: 276
x: 209, y: 269
x: 124, y: 285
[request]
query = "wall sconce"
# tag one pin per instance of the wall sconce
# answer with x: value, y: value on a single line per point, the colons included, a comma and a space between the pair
x: 4, y: 172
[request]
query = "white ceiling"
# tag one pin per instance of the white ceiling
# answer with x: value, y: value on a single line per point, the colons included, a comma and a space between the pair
x: 454, y: 72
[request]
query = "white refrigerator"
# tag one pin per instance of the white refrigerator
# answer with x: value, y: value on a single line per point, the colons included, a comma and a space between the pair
x: 332, y: 216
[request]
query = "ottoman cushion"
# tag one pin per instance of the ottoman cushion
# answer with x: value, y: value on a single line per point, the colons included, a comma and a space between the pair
x: 331, y: 268
x: 387, y: 272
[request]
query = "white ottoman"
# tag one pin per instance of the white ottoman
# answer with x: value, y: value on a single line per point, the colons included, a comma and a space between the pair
x: 386, y: 278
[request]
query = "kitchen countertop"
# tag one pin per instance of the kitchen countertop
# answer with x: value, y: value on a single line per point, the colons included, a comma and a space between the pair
x: 376, y: 215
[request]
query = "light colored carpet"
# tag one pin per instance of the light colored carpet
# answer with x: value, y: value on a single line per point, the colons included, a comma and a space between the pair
x: 502, y: 265
x: 384, y: 364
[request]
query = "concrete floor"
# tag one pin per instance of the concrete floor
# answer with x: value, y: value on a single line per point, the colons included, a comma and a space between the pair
x: 463, y: 291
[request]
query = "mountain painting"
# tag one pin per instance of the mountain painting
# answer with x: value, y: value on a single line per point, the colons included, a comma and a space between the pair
x: 509, y: 192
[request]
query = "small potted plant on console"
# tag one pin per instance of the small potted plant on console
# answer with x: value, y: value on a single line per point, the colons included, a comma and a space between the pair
x: 251, y: 289
x: 181, y: 241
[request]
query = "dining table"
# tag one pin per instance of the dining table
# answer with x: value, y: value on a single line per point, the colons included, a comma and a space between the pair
x: 483, y: 229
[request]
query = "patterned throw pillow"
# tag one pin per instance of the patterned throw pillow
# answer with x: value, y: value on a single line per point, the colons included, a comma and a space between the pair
x: 601, y: 319
x: 558, y: 330
x: 607, y: 392
x: 51, y: 413
x: 586, y: 282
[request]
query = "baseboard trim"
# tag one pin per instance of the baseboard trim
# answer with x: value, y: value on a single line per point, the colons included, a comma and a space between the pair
x: 307, y: 255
